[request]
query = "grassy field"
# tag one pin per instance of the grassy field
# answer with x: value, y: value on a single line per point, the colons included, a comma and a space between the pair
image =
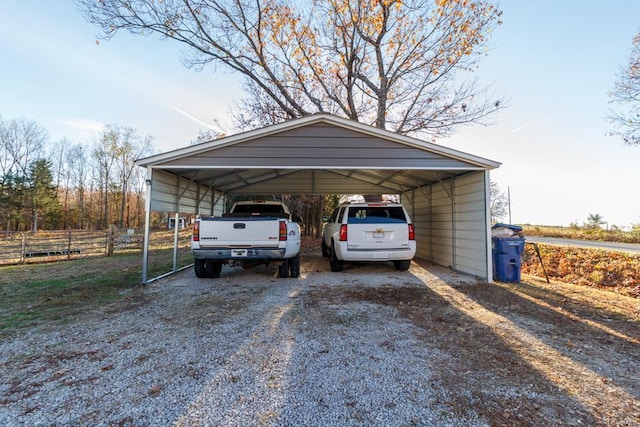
x: 583, y: 233
x: 55, y: 291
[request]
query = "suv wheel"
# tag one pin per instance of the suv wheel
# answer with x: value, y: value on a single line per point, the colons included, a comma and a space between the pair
x: 334, y: 263
x: 325, y: 250
x: 402, y: 265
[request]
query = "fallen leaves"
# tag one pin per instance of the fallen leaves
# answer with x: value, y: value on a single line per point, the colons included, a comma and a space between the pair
x: 616, y: 271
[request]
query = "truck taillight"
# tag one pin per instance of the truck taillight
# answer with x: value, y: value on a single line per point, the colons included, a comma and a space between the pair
x: 283, y: 231
x: 343, y: 233
x: 412, y: 232
x: 196, y: 231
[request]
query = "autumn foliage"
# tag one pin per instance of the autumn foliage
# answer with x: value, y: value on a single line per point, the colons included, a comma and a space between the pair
x: 616, y: 271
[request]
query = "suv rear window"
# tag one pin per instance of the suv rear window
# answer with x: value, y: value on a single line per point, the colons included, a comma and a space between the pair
x: 376, y: 215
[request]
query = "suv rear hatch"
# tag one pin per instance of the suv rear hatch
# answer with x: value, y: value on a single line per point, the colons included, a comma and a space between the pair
x: 377, y: 228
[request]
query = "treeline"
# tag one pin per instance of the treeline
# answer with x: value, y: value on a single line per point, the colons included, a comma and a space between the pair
x: 47, y: 185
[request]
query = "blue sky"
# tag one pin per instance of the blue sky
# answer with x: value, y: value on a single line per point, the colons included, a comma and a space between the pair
x: 554, y: 61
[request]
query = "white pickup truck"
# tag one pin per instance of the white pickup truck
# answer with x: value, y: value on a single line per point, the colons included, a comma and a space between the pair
x: 251, y: 233
x: 369, y: 232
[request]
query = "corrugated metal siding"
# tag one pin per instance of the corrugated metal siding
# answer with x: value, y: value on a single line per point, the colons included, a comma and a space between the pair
x: 451, y: 225
x: 420, y: 212
x: 318, y: 146
x: 442, y: 224
x: 471, y: 224
x: 173, y: 194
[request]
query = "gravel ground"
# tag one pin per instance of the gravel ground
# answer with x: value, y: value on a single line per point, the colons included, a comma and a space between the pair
x: 369, y: 346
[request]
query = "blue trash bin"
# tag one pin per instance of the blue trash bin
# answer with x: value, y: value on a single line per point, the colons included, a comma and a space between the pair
x: 507, y: 258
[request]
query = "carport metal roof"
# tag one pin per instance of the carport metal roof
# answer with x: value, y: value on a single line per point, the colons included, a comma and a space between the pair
x: 316, y: 154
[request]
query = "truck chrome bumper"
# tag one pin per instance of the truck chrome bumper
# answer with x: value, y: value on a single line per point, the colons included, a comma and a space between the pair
x: 239, y: 253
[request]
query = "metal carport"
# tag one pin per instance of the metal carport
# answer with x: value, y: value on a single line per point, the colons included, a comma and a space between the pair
x: 446, y: 191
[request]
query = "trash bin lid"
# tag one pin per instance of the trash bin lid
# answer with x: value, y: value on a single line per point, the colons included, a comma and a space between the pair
x: 515, y: 228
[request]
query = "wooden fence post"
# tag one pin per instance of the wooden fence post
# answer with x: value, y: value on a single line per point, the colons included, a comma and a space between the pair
x: 111, y: 239
x: 23, y: 248
x: 69, y: 246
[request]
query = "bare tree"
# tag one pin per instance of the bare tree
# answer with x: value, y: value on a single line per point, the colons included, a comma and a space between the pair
x: 390, y: 63
x: 78, y: 173
x: 114, y: 155
x: 626, y: 97
x: 58, y: 152
x: 105, y: 153
x: 21, y: 144
x: 131, y: 147
x: 498, y: 202
x: 208, y: 135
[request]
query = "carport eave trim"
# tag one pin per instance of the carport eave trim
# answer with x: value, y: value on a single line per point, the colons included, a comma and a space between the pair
x: 319, y: 167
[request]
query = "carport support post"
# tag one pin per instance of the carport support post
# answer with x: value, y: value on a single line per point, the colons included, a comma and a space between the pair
x: 147, y: 223
x: 176, y: 229
x: 487, y: 218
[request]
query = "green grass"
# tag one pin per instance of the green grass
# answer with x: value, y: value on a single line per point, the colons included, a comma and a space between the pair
x: 57, y: 291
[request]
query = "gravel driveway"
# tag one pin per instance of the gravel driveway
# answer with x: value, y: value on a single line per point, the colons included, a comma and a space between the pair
x: 368, y: 346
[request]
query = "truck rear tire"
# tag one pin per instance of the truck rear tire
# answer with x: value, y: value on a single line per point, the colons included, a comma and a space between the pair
x: 213, y: 268
x: 199, y: 268
x: 334, y: 263
x: 294, y: 266
x: 283, y: 269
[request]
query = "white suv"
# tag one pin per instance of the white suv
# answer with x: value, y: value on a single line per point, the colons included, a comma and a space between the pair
x: 369, y: 232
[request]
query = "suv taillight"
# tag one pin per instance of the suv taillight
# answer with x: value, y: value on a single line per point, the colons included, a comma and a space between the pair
x: 412, y: 232
x: 343, y: 233
x: 283, y: 231
x: 196, y: 231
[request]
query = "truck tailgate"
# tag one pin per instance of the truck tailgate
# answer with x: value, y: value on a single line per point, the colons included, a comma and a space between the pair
x: 239, y: 232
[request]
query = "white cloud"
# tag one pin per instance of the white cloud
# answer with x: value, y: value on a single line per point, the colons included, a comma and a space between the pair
x: 82, y: 125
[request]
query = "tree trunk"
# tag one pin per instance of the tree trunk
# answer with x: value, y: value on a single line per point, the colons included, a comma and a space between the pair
x: 34, y: 224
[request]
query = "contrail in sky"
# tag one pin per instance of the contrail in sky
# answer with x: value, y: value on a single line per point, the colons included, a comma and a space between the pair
x: 189, y: 116
x: 523, y: 127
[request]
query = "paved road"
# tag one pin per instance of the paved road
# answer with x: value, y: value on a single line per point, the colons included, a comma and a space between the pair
x: 594, y: 244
